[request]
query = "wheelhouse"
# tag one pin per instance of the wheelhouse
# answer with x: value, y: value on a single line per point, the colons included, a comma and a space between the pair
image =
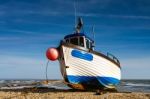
x: 80, y: 39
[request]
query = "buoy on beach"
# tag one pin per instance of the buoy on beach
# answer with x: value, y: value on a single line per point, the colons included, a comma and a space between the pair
x: 52, y: 54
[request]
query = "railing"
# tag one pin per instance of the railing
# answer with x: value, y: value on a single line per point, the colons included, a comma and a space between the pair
x: 113, y: 58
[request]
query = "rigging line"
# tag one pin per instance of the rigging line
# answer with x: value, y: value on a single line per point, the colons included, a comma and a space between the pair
x: 93, y: 31
x: 46, y: 71
x: 75, y: 13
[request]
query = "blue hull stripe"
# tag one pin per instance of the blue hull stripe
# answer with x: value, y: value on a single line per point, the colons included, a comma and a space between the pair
x: 90, y: 79
x: 79, y: 54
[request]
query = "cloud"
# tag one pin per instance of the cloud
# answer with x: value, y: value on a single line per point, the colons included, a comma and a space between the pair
x: 114, y: 16
x: 36, y: 35
x: 137, y: 62
x: 61, y: 8
x: 47, y: 23
x: 118, y: 27
x: 25, y: 8
x: 19, y: 61
x: 9, y: 38
x: 136, y: 68
x: 27, y: 67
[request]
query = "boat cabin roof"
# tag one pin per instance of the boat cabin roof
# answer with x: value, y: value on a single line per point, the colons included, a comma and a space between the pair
x: 80, y: 39
x: 76, y: 35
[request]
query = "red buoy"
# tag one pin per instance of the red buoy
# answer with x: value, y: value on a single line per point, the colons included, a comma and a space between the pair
x: 52, y: 54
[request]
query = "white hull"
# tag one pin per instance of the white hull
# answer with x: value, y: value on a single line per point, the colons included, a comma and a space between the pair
x: 84, y: 70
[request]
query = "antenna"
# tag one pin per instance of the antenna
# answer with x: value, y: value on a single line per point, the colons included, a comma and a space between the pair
x: 79, y: 24
x: 93, y: 36
x: 75, y: 14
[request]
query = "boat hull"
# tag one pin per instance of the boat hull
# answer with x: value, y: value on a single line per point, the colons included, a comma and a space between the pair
x: 83, y: 69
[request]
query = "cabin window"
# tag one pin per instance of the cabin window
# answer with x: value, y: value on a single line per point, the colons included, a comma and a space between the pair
x: 67, y: 40
x: 90, y: 44
x: 87, y: 44
x: 74, y: 41
x: 81, y: 41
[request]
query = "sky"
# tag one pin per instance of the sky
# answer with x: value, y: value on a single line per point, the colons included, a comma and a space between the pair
x: 29, y: 27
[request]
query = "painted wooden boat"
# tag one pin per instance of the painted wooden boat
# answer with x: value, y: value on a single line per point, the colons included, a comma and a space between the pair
x: 84, y: 68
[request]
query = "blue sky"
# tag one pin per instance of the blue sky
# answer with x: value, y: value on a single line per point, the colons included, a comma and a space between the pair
x: 29, y: 27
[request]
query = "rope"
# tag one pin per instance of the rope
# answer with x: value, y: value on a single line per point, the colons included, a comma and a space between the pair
x: 46, y: 71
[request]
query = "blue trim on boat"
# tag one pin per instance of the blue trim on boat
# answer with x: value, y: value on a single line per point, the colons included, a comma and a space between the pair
x: 79, y: 54
x: 105, y: 81
x: 108, y: 80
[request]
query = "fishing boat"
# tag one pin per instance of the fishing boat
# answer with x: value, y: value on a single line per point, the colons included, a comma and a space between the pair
x: 81, y: 66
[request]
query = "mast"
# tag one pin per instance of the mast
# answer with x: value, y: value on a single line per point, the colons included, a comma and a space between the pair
x: 79, y: 22
x: 79, y: 26
x: 75, y: 14
x: 93, y: 44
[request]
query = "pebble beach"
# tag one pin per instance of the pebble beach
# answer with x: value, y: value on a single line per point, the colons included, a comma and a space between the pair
x: 56, y: 89
x: 33, y: 93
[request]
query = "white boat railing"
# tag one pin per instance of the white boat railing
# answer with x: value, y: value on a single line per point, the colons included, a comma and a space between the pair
x: 113, y: 57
